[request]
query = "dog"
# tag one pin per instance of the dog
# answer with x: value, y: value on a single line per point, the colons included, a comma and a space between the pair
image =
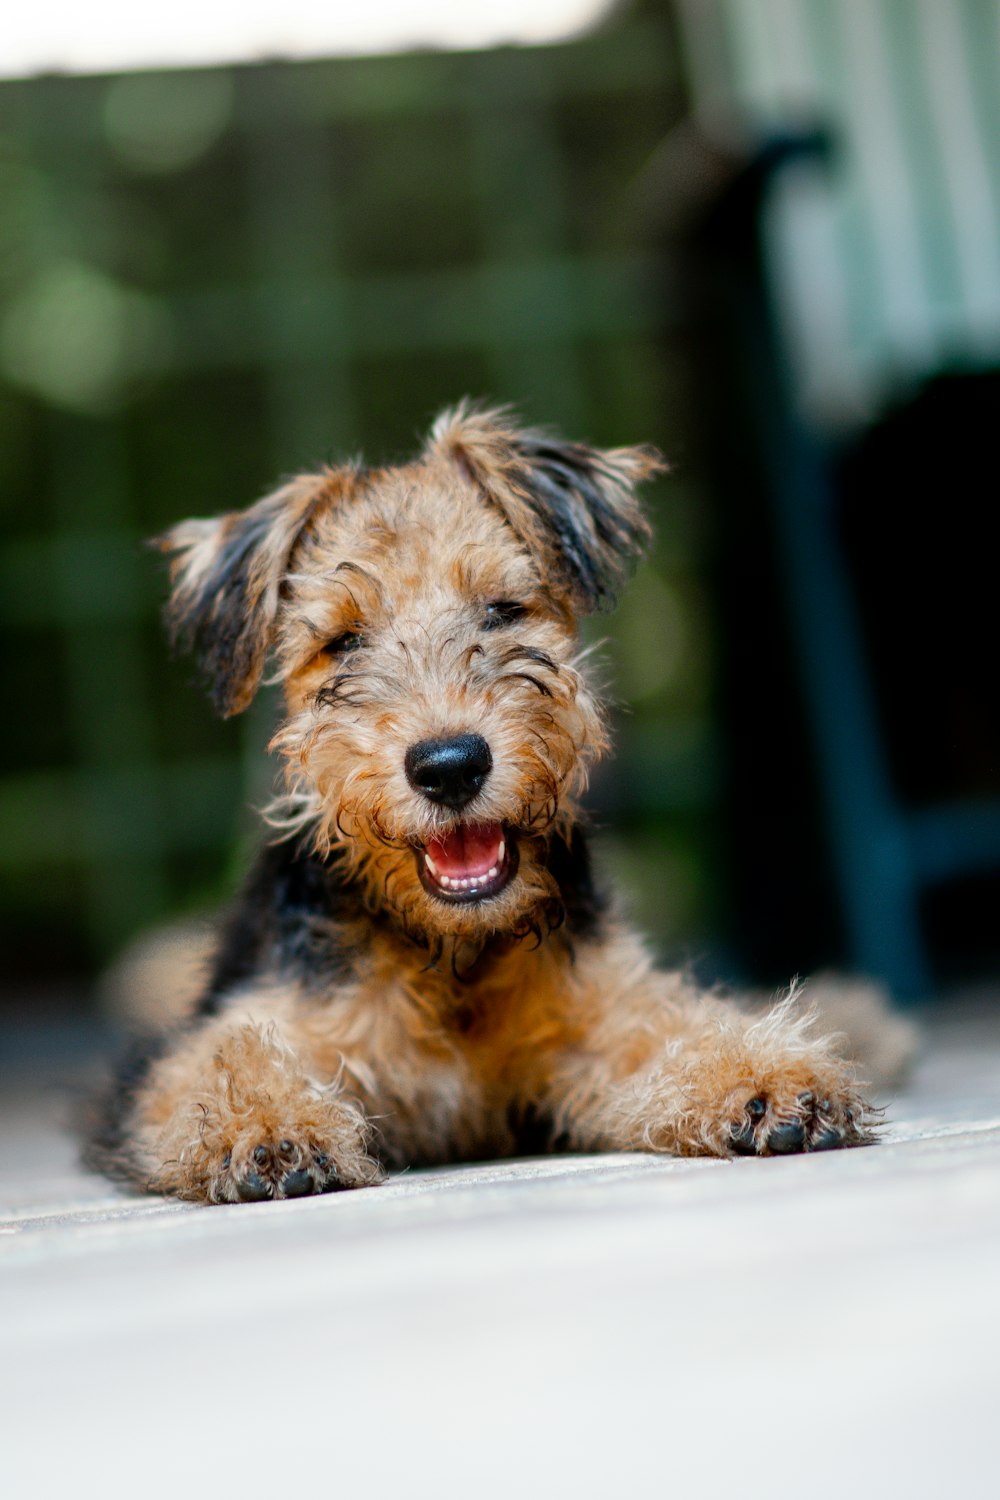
x: 422, y: 966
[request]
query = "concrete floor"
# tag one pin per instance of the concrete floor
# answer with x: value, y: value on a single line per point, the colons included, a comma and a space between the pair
x: 825, y: 1326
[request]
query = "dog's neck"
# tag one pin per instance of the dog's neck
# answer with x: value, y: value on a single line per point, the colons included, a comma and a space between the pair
x: 300, y: 916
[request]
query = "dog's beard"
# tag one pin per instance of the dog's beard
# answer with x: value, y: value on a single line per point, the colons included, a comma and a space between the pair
x: 476, y: 875
x: 390, y: 871
x: 394, y: 883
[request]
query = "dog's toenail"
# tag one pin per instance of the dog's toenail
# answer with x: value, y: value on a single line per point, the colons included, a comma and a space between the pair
x: 296, y: 1184
x: 756, y: 1109
x: 806, y: 1099
x: 253, y: 1189
x: 823, y: 1106
x: 786, y: 1139
x: 226, y: 1160
x: 321, y: 1158
x: 286, y: 1147
x: 743, y: 1140
x: 261, y: 1155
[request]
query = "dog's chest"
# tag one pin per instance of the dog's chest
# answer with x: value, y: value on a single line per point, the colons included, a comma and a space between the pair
x: 506, y: 1027
x: 461, y: 1064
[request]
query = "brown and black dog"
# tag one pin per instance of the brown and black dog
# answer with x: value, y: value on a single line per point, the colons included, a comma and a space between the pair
x: 422, y: 967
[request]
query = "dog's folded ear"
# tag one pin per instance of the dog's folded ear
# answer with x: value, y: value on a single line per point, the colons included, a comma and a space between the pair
x: 574, y: 506
x: 226, y: 575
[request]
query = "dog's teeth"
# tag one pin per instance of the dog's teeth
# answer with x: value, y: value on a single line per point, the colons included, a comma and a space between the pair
x: 464, y: 882
x: 500, y: 852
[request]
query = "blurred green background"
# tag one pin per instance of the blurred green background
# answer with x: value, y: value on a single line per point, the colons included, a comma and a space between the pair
x: 211, y: 278
x: 765, y: 237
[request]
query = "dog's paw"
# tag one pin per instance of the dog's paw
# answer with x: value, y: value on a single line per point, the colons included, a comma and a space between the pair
x: 311, y: 1144
x: 254, y: 1126
x: 779, y: 1122
x: 769, y: 1089
x: 257, y: 1168
x: 259, y: 1163
x: 761, y: 1098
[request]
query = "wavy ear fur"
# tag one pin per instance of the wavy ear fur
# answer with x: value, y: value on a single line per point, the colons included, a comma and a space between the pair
x: 573, y: 505
x: 226, y: 575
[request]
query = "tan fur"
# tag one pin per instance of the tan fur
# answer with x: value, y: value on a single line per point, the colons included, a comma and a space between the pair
x: 455, y: 1020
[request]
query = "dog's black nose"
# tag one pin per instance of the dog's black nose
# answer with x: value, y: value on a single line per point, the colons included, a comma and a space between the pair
x: 449, y: 771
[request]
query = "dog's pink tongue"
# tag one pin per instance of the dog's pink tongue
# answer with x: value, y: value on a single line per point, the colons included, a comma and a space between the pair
x: 467, y: 851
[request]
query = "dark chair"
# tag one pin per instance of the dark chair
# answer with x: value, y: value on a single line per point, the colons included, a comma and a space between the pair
x: 888, y: 845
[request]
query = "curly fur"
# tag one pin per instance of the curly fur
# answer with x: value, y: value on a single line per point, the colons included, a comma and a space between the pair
x: 359, y: 1014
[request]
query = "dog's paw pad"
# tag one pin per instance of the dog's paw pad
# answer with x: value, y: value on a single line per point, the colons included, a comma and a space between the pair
x: 785, y: 1140
x: 252, y: 1188
x: 297, y: 1184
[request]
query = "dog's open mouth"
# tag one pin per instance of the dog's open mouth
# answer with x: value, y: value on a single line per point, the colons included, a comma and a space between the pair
x: 470, y: 863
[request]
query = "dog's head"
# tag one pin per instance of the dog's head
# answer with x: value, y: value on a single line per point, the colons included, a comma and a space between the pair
x: 422, y: 618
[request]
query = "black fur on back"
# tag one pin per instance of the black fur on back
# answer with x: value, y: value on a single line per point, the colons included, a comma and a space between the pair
x: 287, y: 922
x: 584, y: 904
x: 104, y: 1120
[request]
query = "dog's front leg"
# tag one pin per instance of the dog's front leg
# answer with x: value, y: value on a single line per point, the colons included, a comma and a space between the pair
x: 231, y: 1113
x: 664, y: 1068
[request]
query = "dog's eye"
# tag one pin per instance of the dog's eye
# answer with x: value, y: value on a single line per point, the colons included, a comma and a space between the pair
x: 350, y: 640
x: 501, y: 612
